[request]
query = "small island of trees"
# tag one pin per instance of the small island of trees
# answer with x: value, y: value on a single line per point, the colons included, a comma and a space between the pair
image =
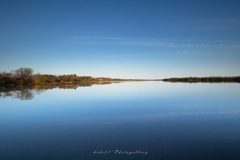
x: 24, y: 76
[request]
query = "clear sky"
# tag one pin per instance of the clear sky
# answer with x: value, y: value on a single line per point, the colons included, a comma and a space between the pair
x: 121, y: 39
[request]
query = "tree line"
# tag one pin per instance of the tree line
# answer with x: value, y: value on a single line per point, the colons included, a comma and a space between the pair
x: 24, y: 76
x: 204, y: 79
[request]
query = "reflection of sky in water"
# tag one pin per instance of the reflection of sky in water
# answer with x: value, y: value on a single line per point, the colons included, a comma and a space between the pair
x: 124, y: 102
x: 168, y: 120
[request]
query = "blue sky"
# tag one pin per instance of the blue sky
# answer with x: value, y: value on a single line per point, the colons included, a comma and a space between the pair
x: 122, y: 39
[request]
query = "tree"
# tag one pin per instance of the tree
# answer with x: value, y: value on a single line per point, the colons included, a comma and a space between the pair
x: 24, y: 73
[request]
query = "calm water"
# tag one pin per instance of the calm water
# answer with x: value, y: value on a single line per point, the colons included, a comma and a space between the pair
x: 132, y: 120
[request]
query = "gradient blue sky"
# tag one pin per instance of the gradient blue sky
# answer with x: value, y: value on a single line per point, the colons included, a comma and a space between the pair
x: 122, y: 39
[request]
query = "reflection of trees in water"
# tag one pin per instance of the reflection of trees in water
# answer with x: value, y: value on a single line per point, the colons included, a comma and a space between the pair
x: 27, y: 92
x: 20, y: 92
x: 24, y: 94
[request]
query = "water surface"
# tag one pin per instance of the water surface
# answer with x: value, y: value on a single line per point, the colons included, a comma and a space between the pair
x: 131, y: 120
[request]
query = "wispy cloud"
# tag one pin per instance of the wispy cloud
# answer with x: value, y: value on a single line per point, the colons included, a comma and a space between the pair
x: 122, y: 55
x: 105, y: 38
x: 177, y: 45
x: 226, y: 20
x: 152, y: 42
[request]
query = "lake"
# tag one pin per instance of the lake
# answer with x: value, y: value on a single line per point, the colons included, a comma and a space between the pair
x: 127, y: 120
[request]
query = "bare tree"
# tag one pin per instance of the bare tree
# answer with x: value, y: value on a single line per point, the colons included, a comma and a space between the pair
x: 24, y: 73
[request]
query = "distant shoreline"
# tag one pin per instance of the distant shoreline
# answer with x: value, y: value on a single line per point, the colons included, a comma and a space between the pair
x: 235, y: 79
x: 25, y: 76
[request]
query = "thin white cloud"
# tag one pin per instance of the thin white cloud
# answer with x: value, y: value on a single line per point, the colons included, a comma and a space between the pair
x: 104, y: 38
x: 153, y: 42
x: 123, y: 55
x: 176, y: 45
x: 226, y: 20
